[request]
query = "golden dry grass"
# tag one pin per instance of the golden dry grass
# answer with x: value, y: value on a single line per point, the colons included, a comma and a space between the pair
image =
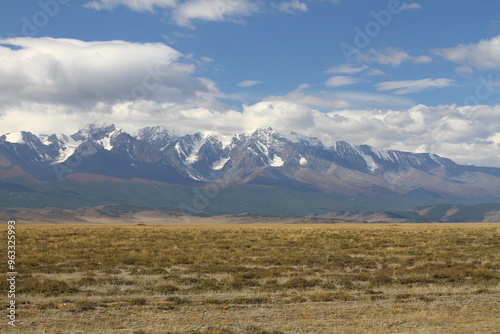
x: 260, y: 278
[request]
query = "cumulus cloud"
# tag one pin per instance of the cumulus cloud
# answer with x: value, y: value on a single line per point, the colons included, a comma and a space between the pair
x: 212, y: 10
x: 391, y: 56
x: 84, y: 74
x: 414, y: 86
x: 484, y: 55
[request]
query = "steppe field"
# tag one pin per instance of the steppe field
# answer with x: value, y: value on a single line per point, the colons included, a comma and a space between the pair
x: 255, y: 278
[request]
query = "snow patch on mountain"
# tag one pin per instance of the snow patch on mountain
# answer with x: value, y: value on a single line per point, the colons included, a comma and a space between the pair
x: 295, y: 137
x: 106, y: 141
x: 437, y: 159
x: 15, y: 138
x: 382, y: 154
x: 179, y: 150
x: 251, y: 150
x: 218, y: 165
x: 277, y: 161
x: 263, y: 148
x: 193, y: 155
x: 370, y: 163
x: 68, y: 147
x: 302, y: 161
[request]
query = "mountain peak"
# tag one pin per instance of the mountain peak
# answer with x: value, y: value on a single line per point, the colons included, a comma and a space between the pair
x: 21, y: 137
x: 16, y: 137
x: 158, y: 136
x: 94, y: 131
x: 264, y: 131
x: 156, y: 131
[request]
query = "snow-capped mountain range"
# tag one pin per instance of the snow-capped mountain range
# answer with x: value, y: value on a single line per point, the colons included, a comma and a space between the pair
x: 263, y: 157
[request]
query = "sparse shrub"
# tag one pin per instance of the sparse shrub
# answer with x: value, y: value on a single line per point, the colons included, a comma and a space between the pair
x: 154, y: 271
x: 214, y: 301
x: 415, y: 279
x: 347, y: 284
x: 319, y: 297
x: 483, y: 291
x: 257, y: 330
x: 343, y: 296
x: 369, y: 291
x: 48, y: 306
x: 425, y: 299
x: 178, y: 300
x: 47, y: 287
x: 403, y: 297
x: 251, y: 300
x: 450, y: 274
x: 87, y: 281
x: 112, y: 271
x: 296, y: 299
x: 300, y: 283
x: 85, y: 305
x: 330, y: 285
x: 380, y: 279
x: 111, y: 280
x: 166, y: 289
x: 209, y: 284
x: 138, y: 301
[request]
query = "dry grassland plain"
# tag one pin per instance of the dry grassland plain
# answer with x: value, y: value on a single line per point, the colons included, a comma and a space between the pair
x: 255, y: 278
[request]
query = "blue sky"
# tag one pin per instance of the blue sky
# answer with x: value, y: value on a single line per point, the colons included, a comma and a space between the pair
x: 412, y: 75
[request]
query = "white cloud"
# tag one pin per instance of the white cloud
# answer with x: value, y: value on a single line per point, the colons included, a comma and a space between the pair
x: 327, y: 100
x: 342, y: 80
x: 346, y: 69
x: 464, y: 70
x: 321, y: 100
x: 369, y: 100
x: 410, y: 6
x: 469, y: 134
x: 414, y: 86
x: 84, y: 74
x: 375, y: 72
x: 484, y: 55
x: 291, y: 7
x: 186, y: 12
x: 391, y: 56
x: 137, y: 5
x: 212, y: 10
x: 248, y: 83
x: 183, y: 13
